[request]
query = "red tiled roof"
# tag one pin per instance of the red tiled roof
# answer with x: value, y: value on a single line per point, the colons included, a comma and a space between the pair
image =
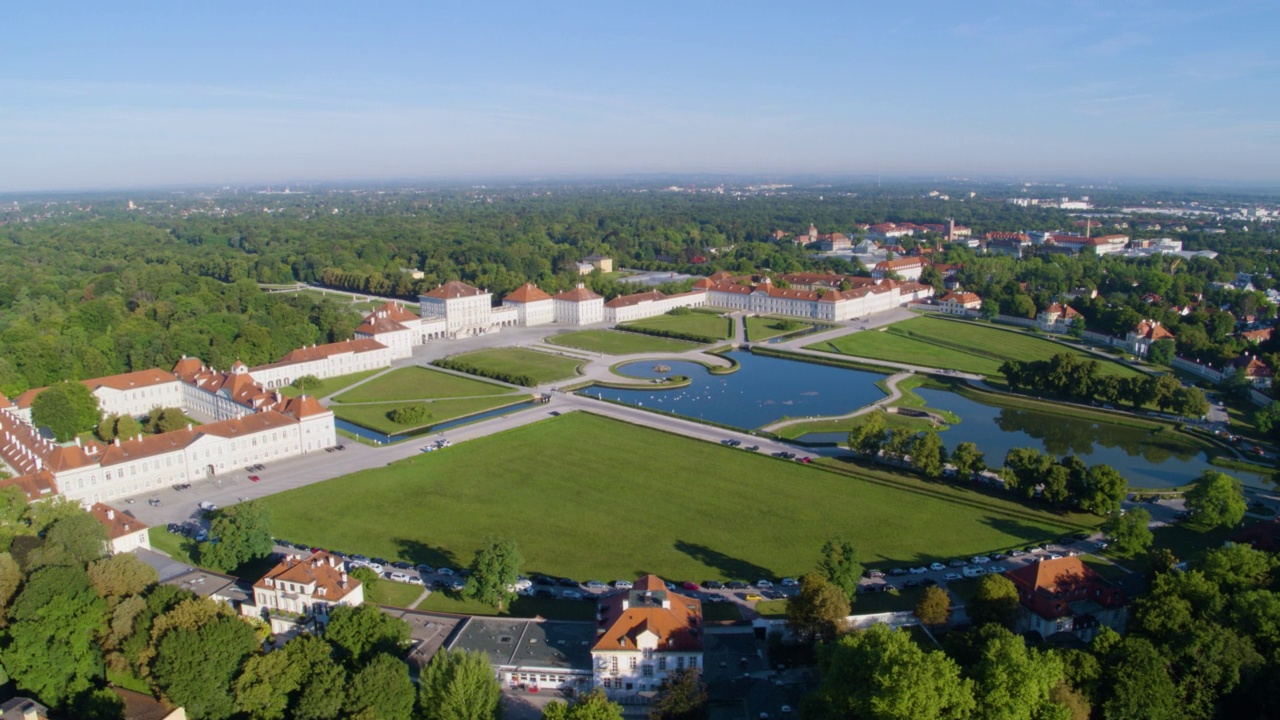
x: 35, y: 486
x: 636, y: 299
x: 320, y: 352
x: 1048, y: 586
x: 902, y: 263
x: 378, y: 325
x: 526, y: 293
x: 124, y: 381
x: 454, y: 289
x: 1153, y: 331
x: 578, y: 294
x: 118, y: 524
x: 321, y: 569
x: 627, y: 615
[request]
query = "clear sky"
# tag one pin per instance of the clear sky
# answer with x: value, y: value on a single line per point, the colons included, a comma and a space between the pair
x: 126, y: 94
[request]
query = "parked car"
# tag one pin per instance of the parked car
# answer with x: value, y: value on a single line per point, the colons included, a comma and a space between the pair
x: 399, y: 577
x: 973, y: 571
x: 457, y: 586
x: 764, y: 584
x: 951, y: 576
x: 790, y: 582
x: 713, y: 585
x: 754, y: 597
x: 911, y: 584
x: 572, y: 595
x: 898, y: 572
x: 918, y: 570
x: 691, y: 585
x: 1017, y: 553
x: 444, y: 571
x: 622, y: 584
x: 207, y: 506
x: 415, y: 580
x: 736, y: 585
x: 980, y: 560
x: 937, y: 566
x: 594, y: 585
x: 424, y: 568
x: 567, y: 582
x: 402, y: 565
x: 254, y: 478
x: 957, y: 563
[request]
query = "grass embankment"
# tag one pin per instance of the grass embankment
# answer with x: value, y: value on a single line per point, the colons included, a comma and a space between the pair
x: 934, y: 342
x: 329, y: 386
x: 549, y: 608
x: 908, y: 399
x: 542, y: 367
x: 689, y: 509
x: 419, y: 383
x: 395, y: 594
x: 707, y: 324
x: 376, y: 416
x: 762, y: 327
x: 613, y: 342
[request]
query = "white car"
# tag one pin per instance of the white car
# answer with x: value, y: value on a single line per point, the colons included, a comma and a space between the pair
x: 918, y: 570
x: 415, y: 580
x: 399, y: 577
x: 594, y: 585
x: 622, y: 584
x: 937, y: 567
x: 980, y: 560
x: 523, y: 584
x: 951, y: 576
x: 972, y: 572
x: 764, y: 584
x: 790, y: 582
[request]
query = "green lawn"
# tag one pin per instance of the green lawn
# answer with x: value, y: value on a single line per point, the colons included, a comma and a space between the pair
x: 697, y: 323
x: 613, y: 342
x: 396, y: 594
x: 178, y: 547
x: 419, y: 383
x: 544, y: 367
x: 760, y: 328
x: 329, y: 386
x: 549, y: 608
x: 375, y: 416
x: 892, y: 420
x: 967, y: 347
x: 586, y: 496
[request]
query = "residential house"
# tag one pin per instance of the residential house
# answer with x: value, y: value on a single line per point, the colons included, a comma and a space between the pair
x: 600, y: 262
x: 144, y: 707
x: 135, y: 393
x: 960, y: 303
x: 23, y: 708
x: 301, y: 591
x: 1258, y: 372
x: 1066, y: 596
x: 125, y: 533
x: 646, y: 632
x: 1140, y: 339
x: 1057, y: 318
x: 396, y: 327
x: 904, y: 268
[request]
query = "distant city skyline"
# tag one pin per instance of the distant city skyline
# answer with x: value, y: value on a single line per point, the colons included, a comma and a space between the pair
x: 134, y: 95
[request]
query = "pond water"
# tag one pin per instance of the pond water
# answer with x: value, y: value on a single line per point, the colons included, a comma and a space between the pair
x: 763, y: 389
x: 1146, y: 459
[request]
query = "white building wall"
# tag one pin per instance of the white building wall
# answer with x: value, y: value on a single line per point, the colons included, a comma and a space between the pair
x: 538, y: 312
x: 137, y: 402
x: 331, y: 366
x: 613, y: 671
x: 585, y: 312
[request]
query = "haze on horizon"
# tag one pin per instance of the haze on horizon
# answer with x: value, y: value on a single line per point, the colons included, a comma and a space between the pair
x: 110, y: 96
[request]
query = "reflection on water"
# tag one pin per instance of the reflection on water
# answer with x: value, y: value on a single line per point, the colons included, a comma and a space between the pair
x: 763, y: 390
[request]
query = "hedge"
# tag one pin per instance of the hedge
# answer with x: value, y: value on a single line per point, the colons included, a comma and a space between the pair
x: 468, y: 368
x: 673, y: 334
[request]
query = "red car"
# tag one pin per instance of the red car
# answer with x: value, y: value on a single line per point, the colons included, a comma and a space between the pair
x: 805, y: 459
x: 691, y: 586
x: 254, y: 478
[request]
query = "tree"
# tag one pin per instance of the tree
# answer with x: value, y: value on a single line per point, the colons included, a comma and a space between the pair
x: 367, y: 577
x: 1216, y: 500
x: 1141, y: 686
x: 1189, y: 402
x: 243, y: 532
x: 594, y: 705
x: 120, y: 575
x: 928, y: 455
x: 53, y: 623
x: 264, y: 685
x: 307, y: 382
x: 1104, y: 489
x: 1161, y: 389
x: 10, y: 579
x: 996, y: 601
x: 682, y: 696
x: 322, y: 694
x: 899, y: 444
x: 839, y: 566
x: 118, y: 426
x: 381, y: 690
x: 1161, y: 352
x: 1130, y: 534
x: 819, y: 610
x: 1012, y: 682
x: 75, y: 540
x: 495, y: 568
x: 459, y: 685
x: 163, y: 420
x: 360, y: 632
x: 195, y: 668
x: 967, y: 460
x: 934, y: 607
x: 1237, y: 568
x: 869, y: 437
x: 881, y: 674
x: 67, y: 408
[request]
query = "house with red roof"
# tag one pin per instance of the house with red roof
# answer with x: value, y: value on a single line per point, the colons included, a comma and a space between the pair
x: 1057, y: 318
x: 960, y: 303
x: 466, y: 310
x: 1258, y: 372
x: 134, y: 394
x: 324, y: 361
x: 1140, y: 339
x: 579, y: 306
x: 905, y: 268
x: 1066, y: 596
x: 400, y: 329
x: 299, y: 592
x: 533, y: 306
x: 646, y: 632
x: 125, y: 533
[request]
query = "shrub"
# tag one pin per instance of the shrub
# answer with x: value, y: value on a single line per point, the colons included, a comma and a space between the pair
x: 410, y: 415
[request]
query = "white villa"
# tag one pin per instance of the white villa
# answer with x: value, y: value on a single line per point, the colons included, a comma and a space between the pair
x: 579, y: 306
x: 646, y: 632
x: 533, y: 307
x: 309, y: 587
x: 466, y: 310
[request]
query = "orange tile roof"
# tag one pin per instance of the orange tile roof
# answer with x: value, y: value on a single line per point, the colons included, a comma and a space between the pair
x: 320, y: 352
x: 902, y: 263
x: 35, y: 485
x: 636, y: 299
x: 1048, y: 586
x: 321, y: 569
x: 124, y: 381
x: 526, y: 293
x: 454, y: 289
x: 393, y: 311
x: 377, y: 325
x: 627, y: 615
x: 578, y: 294
x: 118, y: 524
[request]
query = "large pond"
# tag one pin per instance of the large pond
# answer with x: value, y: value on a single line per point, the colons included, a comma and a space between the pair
x: 767, y: 389
x: 763, y: 390
x: 1146, y: 459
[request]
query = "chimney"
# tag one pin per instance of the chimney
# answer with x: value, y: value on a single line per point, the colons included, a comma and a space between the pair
x: 188, y: 426
x: 30, y: 711
x: 111, y: 514
x: 77, y: 441
x: 117, y: 441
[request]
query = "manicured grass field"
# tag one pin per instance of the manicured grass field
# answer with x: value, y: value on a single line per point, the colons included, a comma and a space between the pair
x: 933, y: 342
x: 374, y: 416
x: 544, y: 367
x: 697, y: 323
x: 329, y: 386
x: 892, y: 420
x: 419, y: 383
x: 396, y: 594
x: 550, y: 608
x: 612, y: 342
x: 586, y: 496
x: 760, y: 328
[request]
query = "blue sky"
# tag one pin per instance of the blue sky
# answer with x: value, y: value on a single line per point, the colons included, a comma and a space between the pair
x: 104, y: 95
